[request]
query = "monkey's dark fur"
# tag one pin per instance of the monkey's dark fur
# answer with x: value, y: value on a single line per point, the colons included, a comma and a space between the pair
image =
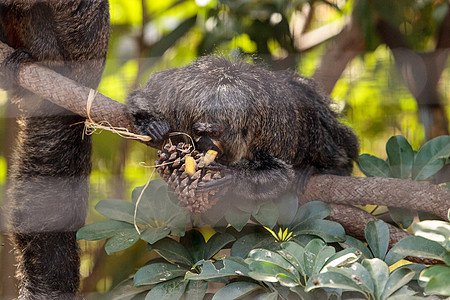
x: 48, y: 188
x: 274, y: 129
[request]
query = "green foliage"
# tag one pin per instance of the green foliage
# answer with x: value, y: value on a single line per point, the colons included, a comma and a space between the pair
x: 431, y: 240
x: 404, y: 163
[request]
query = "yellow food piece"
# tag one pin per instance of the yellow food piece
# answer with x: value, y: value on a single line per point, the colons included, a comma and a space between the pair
x: 190, y: 165
x: 210, y: 156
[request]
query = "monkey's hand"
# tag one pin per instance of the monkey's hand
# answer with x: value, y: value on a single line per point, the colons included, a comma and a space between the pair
x: 156, y: 129
x: 263, y: 178
x: 10, y: 68
x: 221, y: 184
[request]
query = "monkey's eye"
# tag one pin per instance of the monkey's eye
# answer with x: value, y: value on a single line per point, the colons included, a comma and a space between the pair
x: 214, y: 134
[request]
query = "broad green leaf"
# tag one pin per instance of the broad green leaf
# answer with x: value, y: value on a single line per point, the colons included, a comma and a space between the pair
x: 417, y: 268
x: 122, y: 240
x: 352, y: 242
x: 170, y: 290
x: 216, y: 243
x: 196, y: 290
x: 102, y: 230
x: 419, y: 247
x: 119, y: 210
x: 342, y: 258
x: 267, y: 214
x: 237, y: 218
x: 373, y: 166
x: 223, y: 268
x: 266, y: 296
x: 431, y: 157
x: 332, y: 280
x: 379, y: 271
x: 400, y: 155
x: 404, y: 293
x: 329, y: 231
x: 272, y: 257
x: 157, y: 272
x: 438, y: 231
x: 152, y: 235
x: 310, y: 211
x: 377, y: 236
x: 173, y: 251
x: 194, y: 242
x: 393, y: 257
x: 316, y: 254
x: 436, y: 278
x: 287, y: 280
x: 245, y: 244
x: 294, y: 254
x: 287, y: 207
x: 398, y: 278
x: 358, y: 274
x: 268, y: 271
x: 126, y: 290
x: 403, y: 217
x: 236, y: 290
x: 159, y: 209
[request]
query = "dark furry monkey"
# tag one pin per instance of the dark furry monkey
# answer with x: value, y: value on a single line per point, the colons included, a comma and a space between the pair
x: 48, y: 189
x: 272, y: 129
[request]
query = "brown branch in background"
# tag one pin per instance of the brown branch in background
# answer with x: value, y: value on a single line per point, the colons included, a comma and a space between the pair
x: 419, y: 196
x: 340, y: 52
x: 69, y: 94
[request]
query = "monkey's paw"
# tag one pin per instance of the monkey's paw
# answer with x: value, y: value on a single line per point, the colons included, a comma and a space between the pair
x: 9, y: 68
x: 221, y: 184
x: 157, y: 130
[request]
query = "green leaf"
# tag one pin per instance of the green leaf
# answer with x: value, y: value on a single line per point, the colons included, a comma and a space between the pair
x: 398, y: 278
x: 170, y: 290
x: 194, y: 242
x: 294, y: 254
x: 373, y: 166
x: 119, y: 210
x: 400, y: 155
x: 152, y: 235
x: 268, y: 271
x: 245, y: 244
x: 377, y: 236
x: 436, y: 278
x: 157, y: 205
x: 358, y: 274
x: 332, y: 280
x: 267, y: 214
x: 342, y: 258
x: 287, y: 207
x: 403, y: 217
x: 101, y: 230
x: 316, y: 254
x: 222, y: 268
x: 236, y: 290
x: 126, y: 290
x: 379, y: 271
x: 272, y: 257
x: 216, y: 243
x: 237, y: 218
x: 266, y: 296
x: 173, y: 251
x: 352, y: 242
x: 419, y: 247
x: 196, y: 290
x: 122, y: 240
x: 431, y: 157
x: 438, y: 231
x: 158, y: 272
x: 404, y: 293
x: 329, y: 231
x: 310, y: 211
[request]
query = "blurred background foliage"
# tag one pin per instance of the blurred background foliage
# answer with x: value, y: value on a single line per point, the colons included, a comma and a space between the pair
x: 384, y: 63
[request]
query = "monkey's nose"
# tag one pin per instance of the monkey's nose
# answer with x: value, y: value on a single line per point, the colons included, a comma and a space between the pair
x: 205, y: 143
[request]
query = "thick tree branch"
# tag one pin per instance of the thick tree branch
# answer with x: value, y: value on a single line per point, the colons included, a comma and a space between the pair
x: 69, y: 94
x: 404, y: 193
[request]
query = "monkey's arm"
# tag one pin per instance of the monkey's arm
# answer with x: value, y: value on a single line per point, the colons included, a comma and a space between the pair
x: 148, y: 119
x: 262, y: 178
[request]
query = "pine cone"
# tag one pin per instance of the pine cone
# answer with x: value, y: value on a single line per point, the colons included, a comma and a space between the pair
x: 171, y: 167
